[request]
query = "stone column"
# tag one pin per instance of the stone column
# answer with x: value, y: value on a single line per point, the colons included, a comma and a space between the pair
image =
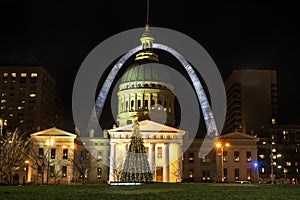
x: 166, y: 170
x: 124, y: 152
x: 152, y: 157
x: 112, y: 162
x: 179, y: 170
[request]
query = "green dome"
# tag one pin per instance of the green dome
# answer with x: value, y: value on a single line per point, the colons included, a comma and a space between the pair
x: 146, y: 72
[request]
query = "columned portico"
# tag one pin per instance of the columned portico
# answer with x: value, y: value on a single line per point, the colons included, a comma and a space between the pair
x: 164, y: 145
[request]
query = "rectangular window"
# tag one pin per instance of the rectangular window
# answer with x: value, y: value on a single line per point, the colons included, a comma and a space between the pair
x: 139, y: 104
x: 41, y: 152
x: 236, y: 156
x: 159, y: 152
x: 191, y: 173
x: 64, y: 171
x: 206, y: 175
x: 99, y: 156
x: 146, y: 105
x: 23, y: 75
x: 225, y: 173
x: 40, y: 169
x: 52, y: 170
x: 65, y: 154
x: 99, y: 170
x: 248, y: 156
x: 191, y: 157
x: 206, y: 159
x: 249, y: 174
x: 237, y: 173
x: 34, y: 75
x: 225, y: 156
x: 53, y: 151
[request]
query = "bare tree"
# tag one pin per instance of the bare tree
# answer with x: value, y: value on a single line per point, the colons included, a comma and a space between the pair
x: 82, y: 163
x: 14, y: 149
x: 42, y: 161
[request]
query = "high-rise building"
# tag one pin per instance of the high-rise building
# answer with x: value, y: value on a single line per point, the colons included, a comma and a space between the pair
x: 28, y: 99
x: 251, y: 100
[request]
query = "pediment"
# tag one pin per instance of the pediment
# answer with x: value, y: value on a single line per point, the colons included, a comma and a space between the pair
x: 148, y: 126
x: 238, y: 136
x: 54, y: 132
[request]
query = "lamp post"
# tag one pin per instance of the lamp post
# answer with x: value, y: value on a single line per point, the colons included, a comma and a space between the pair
x: 220, y: 145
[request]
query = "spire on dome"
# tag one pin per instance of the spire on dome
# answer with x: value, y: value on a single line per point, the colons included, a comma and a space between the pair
x: 147, y: 41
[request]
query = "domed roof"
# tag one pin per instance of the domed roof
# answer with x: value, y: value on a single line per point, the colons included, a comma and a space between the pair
x: 146, y: 72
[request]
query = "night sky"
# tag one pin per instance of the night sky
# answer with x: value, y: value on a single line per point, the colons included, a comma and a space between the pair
x: 59, y: 34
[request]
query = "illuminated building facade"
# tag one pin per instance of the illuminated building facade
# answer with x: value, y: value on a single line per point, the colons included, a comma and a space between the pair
x: 238, y: 152
x: 279, y: 152
x: 51, y: 159
x: 28, y: 98
x: 251, y: 100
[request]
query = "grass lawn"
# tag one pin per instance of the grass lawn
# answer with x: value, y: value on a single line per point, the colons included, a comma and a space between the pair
x: 181, y: 191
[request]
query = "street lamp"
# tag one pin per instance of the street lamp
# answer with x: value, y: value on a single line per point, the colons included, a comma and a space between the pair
x: 220, y: 145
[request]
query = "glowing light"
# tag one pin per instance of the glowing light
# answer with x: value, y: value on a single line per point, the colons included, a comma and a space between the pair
x: 218, y: 145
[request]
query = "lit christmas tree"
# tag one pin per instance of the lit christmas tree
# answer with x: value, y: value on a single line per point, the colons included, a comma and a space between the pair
x: 136, y: 167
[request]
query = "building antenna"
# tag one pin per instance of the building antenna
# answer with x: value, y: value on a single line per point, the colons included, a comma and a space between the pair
x: 148, y: 5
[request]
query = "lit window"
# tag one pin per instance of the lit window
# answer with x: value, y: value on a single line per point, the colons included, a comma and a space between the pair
x: 237, y: 174
x: 3, y: 101
x: 64, y: 171
x: 206, y: 159
x: 273, y: 150
x: 34, y: 75
x: 279, y: 166
x: 224, y: 156
x: 5, y: 75
x: 20, y: 107
x: 249, y: 174
x: 191, y: 173
x: 288, y: 164
x: 262, y: 170
x: 248, y: 155
x: 273, y: 121
x: 285, y: 132
x: 23, y: 101
x: 285, y: 170
x: 261, y: 156
x: 2, y: 107
x: 21, y: 121
x: 3, y: 94
x: 191, y: 157
x: 296, y: 164
x: 14, y: 75
x: 65, y: 153
x: 236, y: 156
x: 53, y: 152
x: 52, y: 170
x: 23, y: 75
x: 32, y: 95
